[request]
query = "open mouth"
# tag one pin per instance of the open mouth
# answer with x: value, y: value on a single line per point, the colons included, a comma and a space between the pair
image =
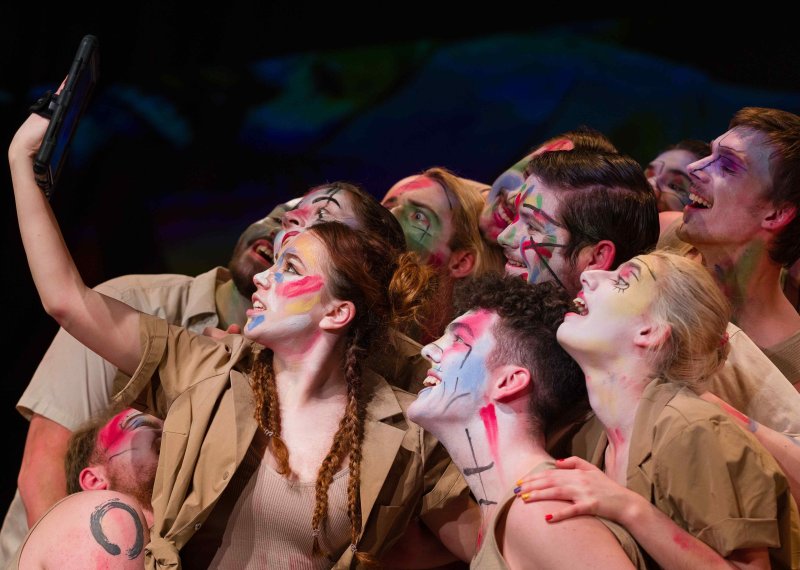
x: 697, y: 201
x: 431, y: 379
x: 580, y: 306
x: 263, y: 249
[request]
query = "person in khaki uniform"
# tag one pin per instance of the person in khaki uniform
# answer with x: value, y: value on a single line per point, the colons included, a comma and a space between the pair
x: 320, y: 420
x: 110, y: 467
x: 691, y: 486
x: 498, y: 380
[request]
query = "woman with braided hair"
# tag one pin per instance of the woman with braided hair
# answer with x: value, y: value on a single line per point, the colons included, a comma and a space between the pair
x: 278, y: 448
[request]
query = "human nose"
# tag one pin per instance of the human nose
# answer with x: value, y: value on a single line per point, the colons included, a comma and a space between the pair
x: 432, y: 353
x: 506, y: 237
x: 589, y: 278
x: 261, y: 280
x: 697, y: 169
x: 293, y: 219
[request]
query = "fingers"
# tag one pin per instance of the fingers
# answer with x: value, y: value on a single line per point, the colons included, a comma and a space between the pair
x: 574, y: 462
x: 214, y: 332
x: 569, y: 512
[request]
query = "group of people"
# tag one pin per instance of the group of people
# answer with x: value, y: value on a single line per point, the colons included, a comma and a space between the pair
x: 587, y: 363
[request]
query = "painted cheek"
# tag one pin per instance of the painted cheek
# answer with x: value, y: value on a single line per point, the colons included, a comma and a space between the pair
x: 111, y: 435
x: 254, y: 322
x: 304, y: 286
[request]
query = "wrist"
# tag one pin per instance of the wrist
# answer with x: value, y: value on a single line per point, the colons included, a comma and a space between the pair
x: 636, y: 509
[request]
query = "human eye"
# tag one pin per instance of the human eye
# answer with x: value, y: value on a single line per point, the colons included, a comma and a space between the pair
x: 620, y: 284
x: 322, y: 213
x: 419, y: 216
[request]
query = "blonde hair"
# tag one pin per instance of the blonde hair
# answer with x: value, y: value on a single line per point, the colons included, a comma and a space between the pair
x: 689, y: 302
x: 466, y: 232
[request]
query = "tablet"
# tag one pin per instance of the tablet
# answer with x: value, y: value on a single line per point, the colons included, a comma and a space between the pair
x: 68, y: 108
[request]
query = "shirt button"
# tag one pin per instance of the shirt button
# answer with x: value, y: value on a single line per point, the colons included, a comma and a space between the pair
x: 197, y: 526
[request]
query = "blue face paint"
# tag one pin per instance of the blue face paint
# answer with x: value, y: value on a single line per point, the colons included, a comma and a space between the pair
x: 255, y: 321
x: 278, y: 277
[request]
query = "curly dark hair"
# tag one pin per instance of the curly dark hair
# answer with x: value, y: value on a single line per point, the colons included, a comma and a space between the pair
x: 529, y: 315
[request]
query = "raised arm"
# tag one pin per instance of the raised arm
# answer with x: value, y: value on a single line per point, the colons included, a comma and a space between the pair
x: 107, y: 326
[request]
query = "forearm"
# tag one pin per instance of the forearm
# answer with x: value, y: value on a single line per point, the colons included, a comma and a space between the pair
x: 668, y: 544
x: 785, y: 450
x: 53, y: 271
x: 105, y: 325
x: 42, y: 480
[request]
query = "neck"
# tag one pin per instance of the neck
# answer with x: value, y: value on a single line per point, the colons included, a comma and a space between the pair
x: 231, y: 305
x: 308, y: 371
x: 493, y: 451
x: 615, y: 390
x: 752, y: 283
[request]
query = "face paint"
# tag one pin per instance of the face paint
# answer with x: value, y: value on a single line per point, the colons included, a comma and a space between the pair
x: 458, y: 370
x: 729, y: 193
x: 616, y: 305
x: 529, y: 244
x: 424, y: 209
x: 324, y: 204
x: 668, y: 174
x: 291, y: 293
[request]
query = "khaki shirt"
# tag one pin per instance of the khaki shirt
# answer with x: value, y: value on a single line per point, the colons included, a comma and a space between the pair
x: 405, y: 472
x: 709, y: 476
x: 73, y: 384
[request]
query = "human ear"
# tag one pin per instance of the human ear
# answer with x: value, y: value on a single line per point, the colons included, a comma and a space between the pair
x: 93, y: 478
x: 652, y: 335
x: 779, y: 217
x: 598, y: 256
x: 338, y: 315
x: 509, y: 381
x: 461, y: 263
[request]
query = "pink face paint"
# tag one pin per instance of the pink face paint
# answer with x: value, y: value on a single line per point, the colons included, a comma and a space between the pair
x: 110, y: 435
x: 304, y: 286
x: 417, y: 183
x: 517, y: 203
x: 490, y: 424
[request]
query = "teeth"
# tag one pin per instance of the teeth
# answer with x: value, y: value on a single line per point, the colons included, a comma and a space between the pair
x: 258, y: 306
x: 431, y: 381
x: 580, y: 306
x: 514, y: 262
x: 699, y: 200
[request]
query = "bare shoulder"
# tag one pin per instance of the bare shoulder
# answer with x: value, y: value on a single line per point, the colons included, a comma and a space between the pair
x: 91, y: 529
x: 580, y: 542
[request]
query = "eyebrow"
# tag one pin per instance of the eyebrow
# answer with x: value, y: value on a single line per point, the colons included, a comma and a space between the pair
x: 739, y: 154
x: 289, y: 255
x: 424, y: 207
x: 638, y: 268
x: 542, y: 213
x: 453, y: 327
x: 129, y: 420
x: 326, y: 199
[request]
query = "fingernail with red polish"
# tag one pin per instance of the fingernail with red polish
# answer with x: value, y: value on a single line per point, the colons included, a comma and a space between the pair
x: 548, y: 517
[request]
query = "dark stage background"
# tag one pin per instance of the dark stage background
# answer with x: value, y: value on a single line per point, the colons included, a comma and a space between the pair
x: 204, y: 120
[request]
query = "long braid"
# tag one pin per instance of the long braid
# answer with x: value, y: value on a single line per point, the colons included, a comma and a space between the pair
x: 357, y: 411
x: 267, y: 408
